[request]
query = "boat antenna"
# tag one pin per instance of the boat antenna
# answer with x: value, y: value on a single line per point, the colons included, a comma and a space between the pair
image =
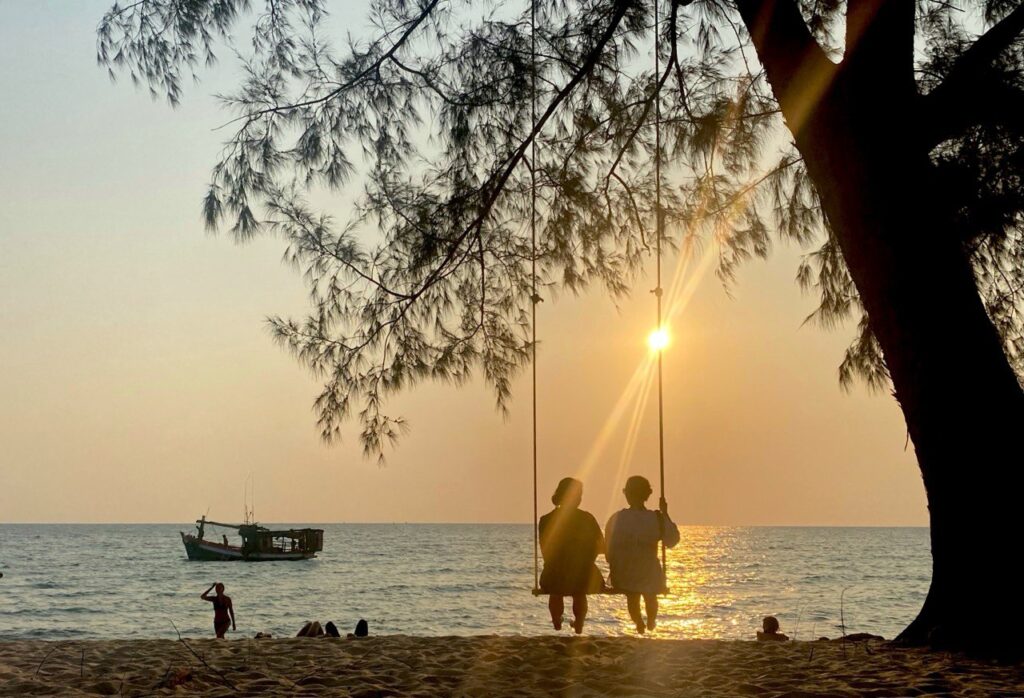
x: 249, y: 499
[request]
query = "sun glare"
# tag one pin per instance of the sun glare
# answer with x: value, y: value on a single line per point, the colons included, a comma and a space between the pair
x: 658, y: 339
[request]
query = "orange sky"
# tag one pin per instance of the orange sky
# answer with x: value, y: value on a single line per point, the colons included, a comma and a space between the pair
x: 138, y: 381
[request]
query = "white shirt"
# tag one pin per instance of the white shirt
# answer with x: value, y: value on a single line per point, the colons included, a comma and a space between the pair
x: 632, y: 537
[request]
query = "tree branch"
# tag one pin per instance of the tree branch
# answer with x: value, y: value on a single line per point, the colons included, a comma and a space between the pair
x: 796, y: 65
x: 970, y: 94
x: 982, y: 103
x: 367, y: 72
x: 984, y: 51
x: 880, y: 45
x: 496, y: 185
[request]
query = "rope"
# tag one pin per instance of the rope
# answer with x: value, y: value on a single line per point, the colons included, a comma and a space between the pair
x: 533, y: 280
x: 658, y: 227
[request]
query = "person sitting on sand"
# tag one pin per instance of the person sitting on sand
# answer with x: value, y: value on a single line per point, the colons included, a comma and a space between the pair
x: 362, y: 630
x: 771, y: 631
x: 633, y: 535
x: 223, y: 610
x: 570, y: 541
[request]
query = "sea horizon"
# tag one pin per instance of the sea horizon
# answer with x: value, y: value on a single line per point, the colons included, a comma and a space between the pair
x: 430, y: 523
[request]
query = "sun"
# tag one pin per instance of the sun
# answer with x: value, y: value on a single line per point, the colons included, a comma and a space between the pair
x: 658, y: 339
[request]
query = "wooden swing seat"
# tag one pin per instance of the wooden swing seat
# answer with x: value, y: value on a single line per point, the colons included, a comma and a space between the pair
x: 606, y: 591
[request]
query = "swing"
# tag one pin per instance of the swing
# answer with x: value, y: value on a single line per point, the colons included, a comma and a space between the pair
x: 658, y: 339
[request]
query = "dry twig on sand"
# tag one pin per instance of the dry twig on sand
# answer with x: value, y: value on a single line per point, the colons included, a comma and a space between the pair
x: 224, y: 679
x: 842, y: 618
x: 52, y: 650
x: 163, y: 680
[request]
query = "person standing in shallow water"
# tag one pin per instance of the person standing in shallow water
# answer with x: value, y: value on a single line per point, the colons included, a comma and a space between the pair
x: 223, y: 610
x: 633, y: 535
x: 570, y: 541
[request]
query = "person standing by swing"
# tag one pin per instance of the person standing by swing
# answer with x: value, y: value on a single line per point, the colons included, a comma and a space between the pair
x: 570, y: 541
x: 632, y: 536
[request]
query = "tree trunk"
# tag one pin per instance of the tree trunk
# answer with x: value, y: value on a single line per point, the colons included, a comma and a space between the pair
x: 854, y: 126
x: 961, y: 400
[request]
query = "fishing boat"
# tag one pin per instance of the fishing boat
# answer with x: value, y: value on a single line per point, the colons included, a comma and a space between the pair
x: 259, y: 544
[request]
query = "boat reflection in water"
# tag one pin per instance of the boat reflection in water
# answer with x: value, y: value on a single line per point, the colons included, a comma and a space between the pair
x: 259, y: 543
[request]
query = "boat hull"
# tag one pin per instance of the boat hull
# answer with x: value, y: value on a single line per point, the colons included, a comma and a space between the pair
x: 209, y: 551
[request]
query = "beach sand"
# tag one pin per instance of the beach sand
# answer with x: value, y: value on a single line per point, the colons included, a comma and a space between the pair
x: 492, y: 666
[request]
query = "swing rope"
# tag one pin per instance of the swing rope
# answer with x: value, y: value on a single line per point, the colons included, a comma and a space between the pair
x: 534, y: 298
x: 658, y: 228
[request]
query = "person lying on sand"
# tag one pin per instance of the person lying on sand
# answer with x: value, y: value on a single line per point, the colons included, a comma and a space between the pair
x: 570, y: 541
x: 223, y: 610
x: 313, y: 629
x: 633, y: 535
x: 771, y: 631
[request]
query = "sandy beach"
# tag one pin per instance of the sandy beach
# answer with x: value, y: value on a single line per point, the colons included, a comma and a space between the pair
x: 487, y: 665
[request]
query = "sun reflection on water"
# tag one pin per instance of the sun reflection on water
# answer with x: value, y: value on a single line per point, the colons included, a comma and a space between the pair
x: 684, y: 611
x: 721, y: 584
x: 724, y: 580
x: 696, y: 592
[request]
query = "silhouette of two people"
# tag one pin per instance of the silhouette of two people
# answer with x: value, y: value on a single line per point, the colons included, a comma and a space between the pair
x: 571, y: 540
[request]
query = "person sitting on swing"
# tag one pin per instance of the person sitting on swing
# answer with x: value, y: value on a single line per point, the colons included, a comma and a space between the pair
x: 633, y: 535
x: 570, y: 541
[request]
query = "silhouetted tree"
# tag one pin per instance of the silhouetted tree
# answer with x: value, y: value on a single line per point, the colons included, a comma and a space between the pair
x: 885, y: 134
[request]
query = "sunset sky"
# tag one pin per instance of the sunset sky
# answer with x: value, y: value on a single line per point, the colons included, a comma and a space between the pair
x: 138, y: 381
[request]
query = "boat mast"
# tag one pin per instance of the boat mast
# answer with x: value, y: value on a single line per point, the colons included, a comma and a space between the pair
x: 249, y: 500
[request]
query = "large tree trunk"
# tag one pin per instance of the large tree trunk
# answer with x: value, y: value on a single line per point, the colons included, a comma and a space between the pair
x: 855, y: 127
x: 963, y: 406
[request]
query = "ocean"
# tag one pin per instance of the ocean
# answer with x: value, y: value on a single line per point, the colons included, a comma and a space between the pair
x: 134, y: 581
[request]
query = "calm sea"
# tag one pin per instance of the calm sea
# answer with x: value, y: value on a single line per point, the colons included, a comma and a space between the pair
x: 122, y: 581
